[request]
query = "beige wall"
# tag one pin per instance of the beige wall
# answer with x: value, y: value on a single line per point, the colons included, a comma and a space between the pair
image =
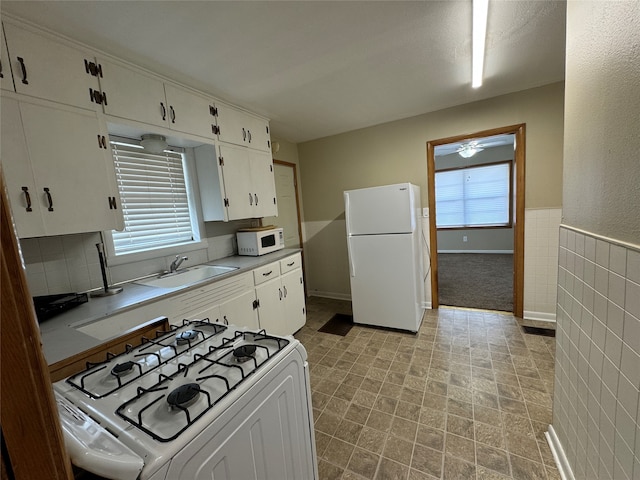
x: 602, y: 184
x: 396, y: 152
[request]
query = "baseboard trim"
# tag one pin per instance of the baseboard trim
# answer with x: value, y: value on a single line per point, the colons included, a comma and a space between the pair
x: 475, y: 251
x: 426, y: 305
x: 539, y: 316
x: 332, y: 295
x: 558, y: 454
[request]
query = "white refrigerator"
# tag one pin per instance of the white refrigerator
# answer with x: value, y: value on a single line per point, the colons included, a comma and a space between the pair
x: 384, y: 237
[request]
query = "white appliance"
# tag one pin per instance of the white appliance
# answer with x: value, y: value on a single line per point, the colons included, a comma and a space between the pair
x: 259, y: 240
x: 385, y: 255
x: 201, y: 401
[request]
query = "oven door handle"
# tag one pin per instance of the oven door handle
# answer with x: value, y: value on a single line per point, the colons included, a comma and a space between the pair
x: 94, y: 449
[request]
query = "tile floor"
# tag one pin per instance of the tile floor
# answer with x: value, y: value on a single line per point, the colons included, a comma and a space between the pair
x: 468, y: 397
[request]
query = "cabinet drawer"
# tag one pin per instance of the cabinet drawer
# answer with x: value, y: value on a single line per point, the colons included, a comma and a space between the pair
x: 290, y: 263
x: 265, y: 273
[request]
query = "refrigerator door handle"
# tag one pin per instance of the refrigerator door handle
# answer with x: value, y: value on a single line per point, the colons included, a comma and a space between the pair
x: 352, y: 267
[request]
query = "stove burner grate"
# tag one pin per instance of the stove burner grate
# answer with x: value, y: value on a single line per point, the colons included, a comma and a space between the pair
x: 187, y: 336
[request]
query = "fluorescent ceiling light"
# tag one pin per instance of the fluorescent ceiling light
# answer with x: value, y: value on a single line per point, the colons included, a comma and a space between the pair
x: 480, y: 10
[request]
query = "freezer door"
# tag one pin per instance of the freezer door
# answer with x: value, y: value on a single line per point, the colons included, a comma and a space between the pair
x: 379, y: 210
x: 383, y: 281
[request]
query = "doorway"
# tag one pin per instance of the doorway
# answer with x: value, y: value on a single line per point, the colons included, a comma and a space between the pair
x: 516, y: 216
x: 285, y: 175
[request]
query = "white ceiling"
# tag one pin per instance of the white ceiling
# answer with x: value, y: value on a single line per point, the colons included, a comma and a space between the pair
x: 322, y: 68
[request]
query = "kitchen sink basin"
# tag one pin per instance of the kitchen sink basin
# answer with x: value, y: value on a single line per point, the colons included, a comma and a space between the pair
x: 188, y: 276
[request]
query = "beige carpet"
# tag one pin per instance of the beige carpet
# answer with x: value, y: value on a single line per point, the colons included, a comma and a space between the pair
x: 476, y: 280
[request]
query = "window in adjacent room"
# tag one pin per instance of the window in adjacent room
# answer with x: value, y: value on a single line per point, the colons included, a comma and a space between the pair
x: 478, y: 196
x: 154, y: 194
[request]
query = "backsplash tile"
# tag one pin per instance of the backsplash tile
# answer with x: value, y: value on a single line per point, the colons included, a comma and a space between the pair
x: 598, y: 356
x: 70, y: 263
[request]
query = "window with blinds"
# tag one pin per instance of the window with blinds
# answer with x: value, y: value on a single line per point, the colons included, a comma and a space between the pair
x: 474, y: 196
x: 154, y: 199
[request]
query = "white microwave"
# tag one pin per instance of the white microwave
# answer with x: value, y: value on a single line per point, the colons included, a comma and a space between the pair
x: 259, y: 241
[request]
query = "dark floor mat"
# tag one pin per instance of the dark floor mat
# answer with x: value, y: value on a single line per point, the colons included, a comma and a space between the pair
x: 340, y: 324
x: 547, y: 332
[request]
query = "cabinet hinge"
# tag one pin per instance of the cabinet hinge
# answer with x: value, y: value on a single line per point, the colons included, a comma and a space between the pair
x: 267, y: 127
x: 274, y: 200
x: 256, y: 304
x: 112, y: 203
x: 215, y: 129
x: 213, y: 111
x: 226, y: 202
x: 102, y: 141
x: 98, y: 97
x: 221, y: 161
x: 268, y: 144
x: 94, y: 69
x: 271, y: 167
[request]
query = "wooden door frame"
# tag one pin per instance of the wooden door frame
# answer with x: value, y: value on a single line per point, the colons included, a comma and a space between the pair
x: 518, y: 227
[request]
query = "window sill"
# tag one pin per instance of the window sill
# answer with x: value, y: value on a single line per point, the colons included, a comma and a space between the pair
x: 122, y: 259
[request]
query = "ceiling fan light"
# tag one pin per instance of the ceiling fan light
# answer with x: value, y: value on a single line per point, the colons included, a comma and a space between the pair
x: 153, y: 143
x: 468, y: 151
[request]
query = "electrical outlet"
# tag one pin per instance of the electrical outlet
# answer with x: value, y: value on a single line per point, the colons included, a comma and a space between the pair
x: 464, y: 238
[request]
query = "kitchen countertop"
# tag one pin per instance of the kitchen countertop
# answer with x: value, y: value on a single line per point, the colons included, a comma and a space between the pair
x: 61, y: 338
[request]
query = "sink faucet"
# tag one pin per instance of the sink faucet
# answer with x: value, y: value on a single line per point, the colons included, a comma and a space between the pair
x: 176, y: 263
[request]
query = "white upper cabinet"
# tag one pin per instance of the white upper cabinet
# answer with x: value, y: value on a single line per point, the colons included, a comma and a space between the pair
x: 241, y: 128
x: 6, y: 80
x: 236, y: 183
x: 53, y: 70
x: 58, y: 169
x: 135, y: 95
x: 190, y: 112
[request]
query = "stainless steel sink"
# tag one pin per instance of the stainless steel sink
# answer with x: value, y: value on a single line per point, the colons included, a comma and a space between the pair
x: 188, y: 276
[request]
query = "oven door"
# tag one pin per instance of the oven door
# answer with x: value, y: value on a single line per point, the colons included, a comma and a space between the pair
x: 94, y: 449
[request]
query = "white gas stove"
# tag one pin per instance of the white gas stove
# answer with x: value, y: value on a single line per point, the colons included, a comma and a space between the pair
x: 203, y: 400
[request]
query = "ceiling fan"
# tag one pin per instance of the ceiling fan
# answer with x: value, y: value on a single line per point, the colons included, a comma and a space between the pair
x: 468, y: 148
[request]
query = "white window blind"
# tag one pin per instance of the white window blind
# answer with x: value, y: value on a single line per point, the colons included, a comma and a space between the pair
x: 154, y: 199
x: 473, y: 196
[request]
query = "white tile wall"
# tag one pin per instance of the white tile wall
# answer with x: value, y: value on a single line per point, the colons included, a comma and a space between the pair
x: 541, y: 262
x: 596, y: 408
x: 69, y: 263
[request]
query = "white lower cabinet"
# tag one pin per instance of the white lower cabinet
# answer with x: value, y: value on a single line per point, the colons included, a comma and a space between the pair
x: 240, y: 311
x: 229, y: 300
x: 281, y: 303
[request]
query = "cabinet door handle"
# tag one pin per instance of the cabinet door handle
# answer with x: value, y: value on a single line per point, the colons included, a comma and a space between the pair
x: 290, y: 264
x: 267, y: 273
x: 49, y: 199
x: 173, y: 114
x: 1, y: 74
x: 250, y: 199
x: 27, y: 198
x: 256, y: 195
x: 280, y: 292
x: 24, y: 71
x: 285, y: 291
x: 249, y: 135
x: 244, y: 135
x: 164, y: 111
x: 226, y: 322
